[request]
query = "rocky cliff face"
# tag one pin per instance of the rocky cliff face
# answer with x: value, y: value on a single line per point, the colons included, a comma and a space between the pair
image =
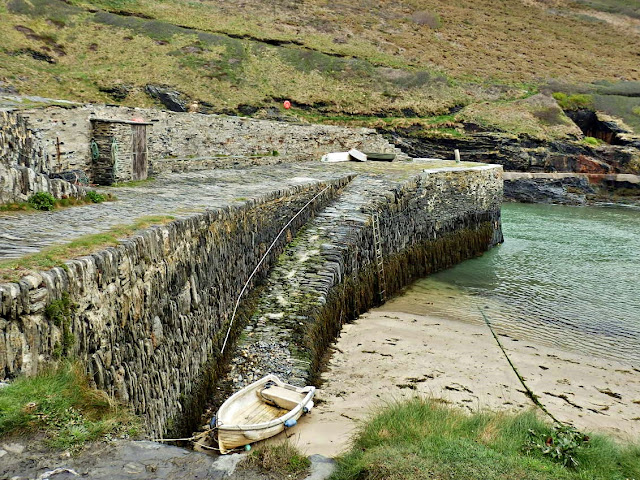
x: 525, y: 154
x: 586, y: 173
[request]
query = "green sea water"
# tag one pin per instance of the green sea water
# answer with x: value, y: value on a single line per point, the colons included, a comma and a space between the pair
x: 565, y: 276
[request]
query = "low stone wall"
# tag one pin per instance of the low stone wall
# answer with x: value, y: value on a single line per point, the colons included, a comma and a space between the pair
x: 147, y: 317
x: 177, y: 141
x: 428, y: 221
x: 17, y: 184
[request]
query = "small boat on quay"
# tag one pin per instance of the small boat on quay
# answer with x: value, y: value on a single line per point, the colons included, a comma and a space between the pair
x: 380, y: 157
x: 358, y: 156
x: 259, y: 411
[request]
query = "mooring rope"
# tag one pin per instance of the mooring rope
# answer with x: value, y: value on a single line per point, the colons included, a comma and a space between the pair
x: 193, y: 439
x: 174, y: 439
x: 255, y: 270
x: 529, y: 393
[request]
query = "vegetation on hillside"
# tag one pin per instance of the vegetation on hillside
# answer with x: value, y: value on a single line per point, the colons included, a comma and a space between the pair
x: 424, y: 439
x: 414, y: 58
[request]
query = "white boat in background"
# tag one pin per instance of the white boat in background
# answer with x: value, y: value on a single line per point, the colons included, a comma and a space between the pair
x: 261, y: 410
x: 352, y: 155
x: 336, y: 157
x: 357, y: 155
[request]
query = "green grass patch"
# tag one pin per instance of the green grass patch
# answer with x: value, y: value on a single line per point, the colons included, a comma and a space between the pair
x: 60, y: 403
x: 594, y: 142
x: 95, y: 197
x: 574, y: 101
x: 283, y: 460
x: 537, y: 116
x: 625, y: 108
x: 621, y: 7
x: 16, y: 207
x: 422, y: 438
x: 44, y: 201
x: 134, y: 183
x: 55, y: 256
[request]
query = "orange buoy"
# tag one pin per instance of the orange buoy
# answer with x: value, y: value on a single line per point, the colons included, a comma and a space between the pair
x: 287, y: 104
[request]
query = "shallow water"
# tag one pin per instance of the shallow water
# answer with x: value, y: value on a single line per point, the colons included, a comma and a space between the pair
x: 565, y: 276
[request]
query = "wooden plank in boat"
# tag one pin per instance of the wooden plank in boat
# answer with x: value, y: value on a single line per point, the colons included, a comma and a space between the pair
x: 282, y: 397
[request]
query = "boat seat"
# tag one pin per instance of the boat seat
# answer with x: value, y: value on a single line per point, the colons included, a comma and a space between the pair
x: 282, y: 397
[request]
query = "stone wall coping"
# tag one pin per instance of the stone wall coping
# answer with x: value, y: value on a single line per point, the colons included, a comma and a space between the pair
x: 130, y: 122
x: 466, y: 168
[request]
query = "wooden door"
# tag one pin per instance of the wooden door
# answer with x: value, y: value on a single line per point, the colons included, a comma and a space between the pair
x: 140, y: 164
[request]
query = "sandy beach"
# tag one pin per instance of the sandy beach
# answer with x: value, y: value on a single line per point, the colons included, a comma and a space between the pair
x: 389, y: 354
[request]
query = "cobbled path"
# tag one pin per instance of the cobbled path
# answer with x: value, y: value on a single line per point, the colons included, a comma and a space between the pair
x: 177, y: 194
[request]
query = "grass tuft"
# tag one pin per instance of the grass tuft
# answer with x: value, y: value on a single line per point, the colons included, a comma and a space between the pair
x: 280, y: 460
x: 594, y: 142
x: 55, y: 256
x: 44, y: 201
x: 421, y: 438
x: 134, y: 183
x: 60, y: 403
x: 95, y: 197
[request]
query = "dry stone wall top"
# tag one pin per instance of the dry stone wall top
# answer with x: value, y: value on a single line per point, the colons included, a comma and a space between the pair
x: 55, y: 139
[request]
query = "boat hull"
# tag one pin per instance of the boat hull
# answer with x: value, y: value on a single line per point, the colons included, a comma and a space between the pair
x: 247, y: 417
x: 380, y: 157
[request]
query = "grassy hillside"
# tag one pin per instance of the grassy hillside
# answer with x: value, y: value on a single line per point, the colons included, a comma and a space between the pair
x: 413, y: 58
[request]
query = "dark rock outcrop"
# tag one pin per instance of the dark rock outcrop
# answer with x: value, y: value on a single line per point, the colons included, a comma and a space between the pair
x: 117, y: 92
x: 572, y: 188
x: 169, y: 97
x: 522, y: 153
x: 566, y: 191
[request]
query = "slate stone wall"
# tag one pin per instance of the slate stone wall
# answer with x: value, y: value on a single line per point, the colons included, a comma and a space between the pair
x: 177, y: 141
x: 25, y: 161
x: 18, y: 183
x: 19, y: 144
x: 149, y: 314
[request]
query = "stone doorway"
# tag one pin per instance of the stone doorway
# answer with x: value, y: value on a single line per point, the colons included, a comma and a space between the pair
x: 119, y: 151
x: 139, y: 147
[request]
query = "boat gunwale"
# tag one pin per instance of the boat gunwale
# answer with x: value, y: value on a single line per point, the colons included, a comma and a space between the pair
x: 276, y: 421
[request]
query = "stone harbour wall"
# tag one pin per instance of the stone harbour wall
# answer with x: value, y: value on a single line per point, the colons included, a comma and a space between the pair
x: 148, y: 316
x: 428, y: 221
x: 176, y: 142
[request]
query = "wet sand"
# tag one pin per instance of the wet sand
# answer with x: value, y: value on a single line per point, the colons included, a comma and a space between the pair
x: 387, y: 355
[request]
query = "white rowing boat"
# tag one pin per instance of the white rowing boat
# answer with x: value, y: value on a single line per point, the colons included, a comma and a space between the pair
x: 261, y: 410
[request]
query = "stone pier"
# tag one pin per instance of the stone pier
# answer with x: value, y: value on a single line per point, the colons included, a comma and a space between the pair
x: 148, y: 316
